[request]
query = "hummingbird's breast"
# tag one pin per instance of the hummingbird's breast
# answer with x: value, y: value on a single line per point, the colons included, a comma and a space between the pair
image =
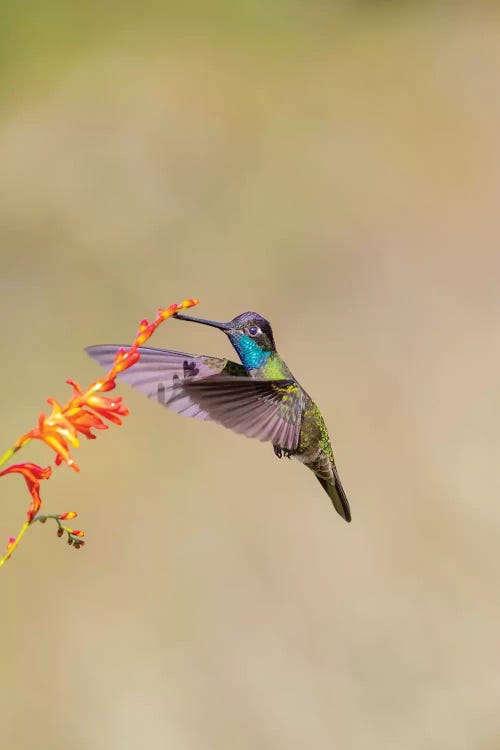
x: 314, y: 438
x: 274, y: 368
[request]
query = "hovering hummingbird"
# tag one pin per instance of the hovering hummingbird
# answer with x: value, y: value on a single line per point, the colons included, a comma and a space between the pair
x: 259, y: 397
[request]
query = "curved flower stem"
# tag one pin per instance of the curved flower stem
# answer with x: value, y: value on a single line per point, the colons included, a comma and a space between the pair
x: 20, y: 443
x: 8, y: 455
x: 74, y: 535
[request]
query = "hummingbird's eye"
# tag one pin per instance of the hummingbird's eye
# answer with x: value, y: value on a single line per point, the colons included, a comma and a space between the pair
x: 253, y: 330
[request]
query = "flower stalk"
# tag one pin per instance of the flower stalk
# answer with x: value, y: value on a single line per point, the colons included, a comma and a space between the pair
x: 84, y: 412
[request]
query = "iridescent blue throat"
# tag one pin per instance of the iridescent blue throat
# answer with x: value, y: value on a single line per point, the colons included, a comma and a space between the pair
x: 250, y: 353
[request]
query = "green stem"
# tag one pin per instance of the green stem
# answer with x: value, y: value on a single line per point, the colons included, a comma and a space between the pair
x: 18, y: 538
x: 12, y: 450
x: 7, y: 455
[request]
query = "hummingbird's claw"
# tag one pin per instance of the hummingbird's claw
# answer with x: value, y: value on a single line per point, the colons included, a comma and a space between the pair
x: 278, y: 451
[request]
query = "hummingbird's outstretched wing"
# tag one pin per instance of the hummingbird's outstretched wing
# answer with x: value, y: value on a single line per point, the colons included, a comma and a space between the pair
x: 159, y: 369
x: 214, y: 389
x: 269, y: 410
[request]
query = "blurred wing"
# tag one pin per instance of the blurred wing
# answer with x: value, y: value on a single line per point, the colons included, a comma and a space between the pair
x: 158, y: 371
x: 214, y: 389
x: 268, y: 410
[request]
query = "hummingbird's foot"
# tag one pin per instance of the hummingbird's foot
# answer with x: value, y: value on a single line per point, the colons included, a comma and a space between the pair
x: 280, y: 452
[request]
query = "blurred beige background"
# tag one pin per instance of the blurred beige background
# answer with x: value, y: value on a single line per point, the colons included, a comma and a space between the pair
x: 335, y: 167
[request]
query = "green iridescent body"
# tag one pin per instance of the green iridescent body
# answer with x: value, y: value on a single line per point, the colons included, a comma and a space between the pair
x: 314, y: 449
x: 313, y: 433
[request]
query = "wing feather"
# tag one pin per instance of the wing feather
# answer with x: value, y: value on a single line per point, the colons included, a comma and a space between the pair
x: 163, y: 367
x: 199, y: 387
x: 269, y: 410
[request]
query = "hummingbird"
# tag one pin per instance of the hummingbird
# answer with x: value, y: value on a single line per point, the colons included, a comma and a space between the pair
x: 258, y: 396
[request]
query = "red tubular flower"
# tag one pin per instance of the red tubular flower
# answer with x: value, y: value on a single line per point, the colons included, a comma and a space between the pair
x: 84, y: 412
x: 124, y: 359
x: 108, y: 407
x: 84, y: 422
x: 32, y: 474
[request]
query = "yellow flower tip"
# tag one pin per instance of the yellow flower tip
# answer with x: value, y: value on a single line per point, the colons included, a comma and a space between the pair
x: 167, y: 312
x: 68, y: 516
x: 141, y: 338
x: 164, y: 313
x: 124, y: 359
x: 102, y: 385
x: 77, y: 532
x: 144, y: 332
x: 70, y: 436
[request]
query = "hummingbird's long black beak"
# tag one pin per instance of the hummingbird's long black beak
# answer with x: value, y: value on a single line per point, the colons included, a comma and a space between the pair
x: 213, y: 323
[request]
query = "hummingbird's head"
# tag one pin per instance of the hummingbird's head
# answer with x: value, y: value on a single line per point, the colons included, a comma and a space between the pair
x: 249, y: 333
x: 255, y: 327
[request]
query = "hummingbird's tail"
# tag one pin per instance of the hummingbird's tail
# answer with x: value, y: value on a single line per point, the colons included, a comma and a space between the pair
x: 333, y: 487
x: 327, y: 475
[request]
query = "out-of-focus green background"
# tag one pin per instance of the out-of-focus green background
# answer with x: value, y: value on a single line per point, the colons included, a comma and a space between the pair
x: 335, y: 166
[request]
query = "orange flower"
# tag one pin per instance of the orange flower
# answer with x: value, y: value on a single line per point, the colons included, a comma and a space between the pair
x: 84, y: 412
x: 32, y: 474
x: 124, y: 359
x: 70, y: 514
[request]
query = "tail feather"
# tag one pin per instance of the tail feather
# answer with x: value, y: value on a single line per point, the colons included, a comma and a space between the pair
x: 336, y: 493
